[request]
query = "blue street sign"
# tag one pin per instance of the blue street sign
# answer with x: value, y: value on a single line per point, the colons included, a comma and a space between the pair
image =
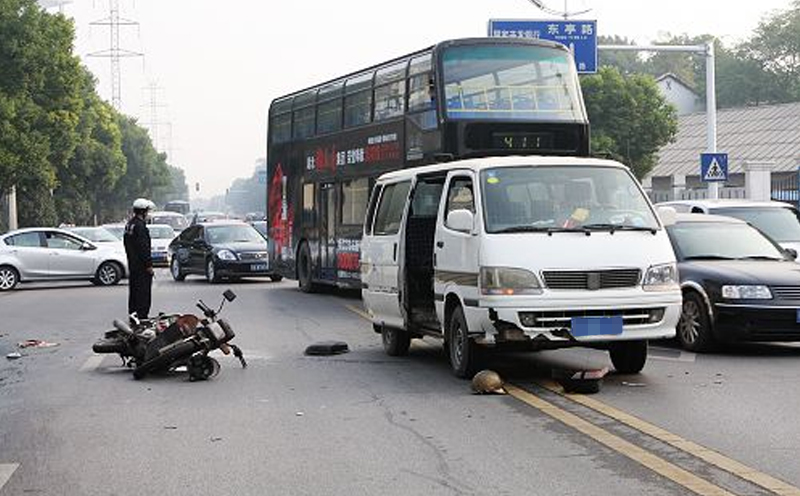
x: 578, y: 36
x: 714, y: 167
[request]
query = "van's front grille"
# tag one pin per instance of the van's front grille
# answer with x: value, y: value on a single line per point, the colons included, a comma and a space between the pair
x: 562, y: 319
x: 592, y: 280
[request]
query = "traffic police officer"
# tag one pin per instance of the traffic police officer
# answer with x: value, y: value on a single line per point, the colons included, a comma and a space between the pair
x: 140, y: 265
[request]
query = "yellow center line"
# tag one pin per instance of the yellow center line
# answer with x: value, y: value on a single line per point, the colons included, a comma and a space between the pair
x: 630, y: 450
x: 708, y: 455
x: 361, y: 313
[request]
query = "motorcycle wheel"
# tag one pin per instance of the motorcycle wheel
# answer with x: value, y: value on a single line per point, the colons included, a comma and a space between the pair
x: 202, y: 367
x: 165, y: 360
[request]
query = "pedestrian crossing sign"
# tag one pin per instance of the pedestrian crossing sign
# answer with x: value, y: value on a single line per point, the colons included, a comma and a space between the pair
x: 714, y: 167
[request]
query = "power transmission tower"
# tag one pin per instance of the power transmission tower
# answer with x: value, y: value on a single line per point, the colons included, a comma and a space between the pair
x: 115, y: 53
x: 154, y: 123
x: 48, y: 4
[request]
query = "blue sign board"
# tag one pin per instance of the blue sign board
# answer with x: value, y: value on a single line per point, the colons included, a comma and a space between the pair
x: 579, y: 36
x: 714, y: 167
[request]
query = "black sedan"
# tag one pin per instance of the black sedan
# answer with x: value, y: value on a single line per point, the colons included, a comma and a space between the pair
x: 218, y: 250
x: 738, y: 284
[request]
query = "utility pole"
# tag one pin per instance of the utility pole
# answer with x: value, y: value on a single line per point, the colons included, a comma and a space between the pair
x: 706, y: 50
x: 11, y: 199
x: 114, y: 52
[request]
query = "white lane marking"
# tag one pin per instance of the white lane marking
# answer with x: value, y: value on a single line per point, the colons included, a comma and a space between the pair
x: 670, y: 355
x: 6, y: 471
x: 92, y: 363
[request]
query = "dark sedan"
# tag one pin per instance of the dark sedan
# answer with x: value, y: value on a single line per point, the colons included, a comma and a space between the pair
x: 738, y: 284
x: 218, y: 250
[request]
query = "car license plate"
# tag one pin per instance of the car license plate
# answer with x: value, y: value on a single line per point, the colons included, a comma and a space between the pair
x: 596, y: 326
x: 261, y: 267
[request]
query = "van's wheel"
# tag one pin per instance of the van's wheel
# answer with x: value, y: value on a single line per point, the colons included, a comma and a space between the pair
x: 108, y: 274
x: 304, y: 270
x: 9, y: 278
x: 395, y: 341
x: 176, y: 270
x: 462, y: 350
x: 628, y: 357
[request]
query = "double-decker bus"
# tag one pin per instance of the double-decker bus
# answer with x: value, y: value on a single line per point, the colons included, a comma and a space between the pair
x: 460, y: 98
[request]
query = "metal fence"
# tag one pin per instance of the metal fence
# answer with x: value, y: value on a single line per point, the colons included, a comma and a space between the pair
x: 695, y: 194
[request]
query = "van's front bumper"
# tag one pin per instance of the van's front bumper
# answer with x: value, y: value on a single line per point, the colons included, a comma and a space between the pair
x: 548, y: 318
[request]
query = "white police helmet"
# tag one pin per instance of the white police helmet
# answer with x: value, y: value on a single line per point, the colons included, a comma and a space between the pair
x: 143, y: 204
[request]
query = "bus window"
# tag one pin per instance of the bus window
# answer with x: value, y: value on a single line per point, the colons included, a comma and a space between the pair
x: 389, y: 100
x: 418, y: 65
x: 357, y: 108
x: 511, y: 82
x: 303, y: 122
x: 282, y: 128
x: 329, y: 116
x: 420, y: 93
x: 308, y: 201
x: 394, y: 72
x: 354, y: 201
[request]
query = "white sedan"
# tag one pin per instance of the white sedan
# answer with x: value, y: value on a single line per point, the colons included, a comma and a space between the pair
x: 48, y: 254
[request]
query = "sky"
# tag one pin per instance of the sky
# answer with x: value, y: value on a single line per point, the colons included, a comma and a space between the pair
x: 217, y: 65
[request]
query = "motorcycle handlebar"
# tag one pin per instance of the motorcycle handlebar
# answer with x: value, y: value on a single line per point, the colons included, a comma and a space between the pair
x: 204, y: 308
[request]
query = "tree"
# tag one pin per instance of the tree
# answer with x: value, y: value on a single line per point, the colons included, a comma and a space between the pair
x: 628, y: 62
x: 630, y: 119
x: 40, y: 103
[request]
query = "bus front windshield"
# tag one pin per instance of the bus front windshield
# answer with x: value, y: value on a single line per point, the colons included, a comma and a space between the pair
x: 526, y: 199
x: 511, y: 82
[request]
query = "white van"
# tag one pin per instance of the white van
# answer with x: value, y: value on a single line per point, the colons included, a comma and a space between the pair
x: 518, y: 252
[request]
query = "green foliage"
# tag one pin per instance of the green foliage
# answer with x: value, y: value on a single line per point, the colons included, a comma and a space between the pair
x: 72, y: 156
x: 630, y: 119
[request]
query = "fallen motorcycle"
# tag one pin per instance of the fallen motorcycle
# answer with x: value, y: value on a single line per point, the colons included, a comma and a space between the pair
x: 171, y: 341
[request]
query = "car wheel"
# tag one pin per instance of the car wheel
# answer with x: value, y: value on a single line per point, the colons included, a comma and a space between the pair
x: 211, y: 272
x: 304, y: 270
x: 628, y: 357
x: 694, y: 326
x: 275, y: 278
x: 108, y: 274
x: 176, y: 270
x: 462, y: 350
x: 9, y: 278
x: 396, y: 342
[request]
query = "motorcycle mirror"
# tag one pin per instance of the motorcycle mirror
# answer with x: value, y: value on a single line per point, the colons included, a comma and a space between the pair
x: 229, y: 295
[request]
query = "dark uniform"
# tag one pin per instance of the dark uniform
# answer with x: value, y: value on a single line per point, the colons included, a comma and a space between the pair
x: 140, y: 266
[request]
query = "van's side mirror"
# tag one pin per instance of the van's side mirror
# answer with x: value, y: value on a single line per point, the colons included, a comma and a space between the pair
x: 668, y: 215
x: 791, y: 253
x: 461, y: 220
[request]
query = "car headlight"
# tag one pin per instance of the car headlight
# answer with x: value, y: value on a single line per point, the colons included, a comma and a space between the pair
x: 507, y: 281
x: 746, y: 293
x: 226, y: 255
x: 661, y: 278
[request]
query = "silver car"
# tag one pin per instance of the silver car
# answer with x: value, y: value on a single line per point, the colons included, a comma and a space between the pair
x: 48, y: 254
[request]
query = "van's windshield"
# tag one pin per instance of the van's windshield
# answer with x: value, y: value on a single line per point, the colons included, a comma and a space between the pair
x: 585, y: 198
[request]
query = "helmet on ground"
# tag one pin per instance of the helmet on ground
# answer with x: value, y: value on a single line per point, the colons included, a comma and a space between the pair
x: 488, y: 382
x: 143, y: 204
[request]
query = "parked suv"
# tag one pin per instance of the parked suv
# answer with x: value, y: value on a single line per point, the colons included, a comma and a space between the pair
x: 780, y: 221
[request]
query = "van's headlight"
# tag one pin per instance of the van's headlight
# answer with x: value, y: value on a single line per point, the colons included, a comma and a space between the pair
x: 507, y: 281
x: 661, y: 278
x: 746, y: 293
x: 226, y: 255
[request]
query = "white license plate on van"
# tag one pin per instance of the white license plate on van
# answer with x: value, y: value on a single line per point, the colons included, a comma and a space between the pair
x: 596, y: 326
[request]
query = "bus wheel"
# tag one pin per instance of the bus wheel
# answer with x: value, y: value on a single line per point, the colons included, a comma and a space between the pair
x: 304, y: 270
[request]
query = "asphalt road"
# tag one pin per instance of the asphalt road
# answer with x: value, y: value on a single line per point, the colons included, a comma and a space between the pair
x: 74, y: 423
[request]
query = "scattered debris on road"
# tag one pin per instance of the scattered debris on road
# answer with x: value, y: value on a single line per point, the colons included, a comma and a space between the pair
x: 634, y: 384
x: 36, y: 343
x: 581, y: 381
x: 13, y: 356
x: 327, y: 348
